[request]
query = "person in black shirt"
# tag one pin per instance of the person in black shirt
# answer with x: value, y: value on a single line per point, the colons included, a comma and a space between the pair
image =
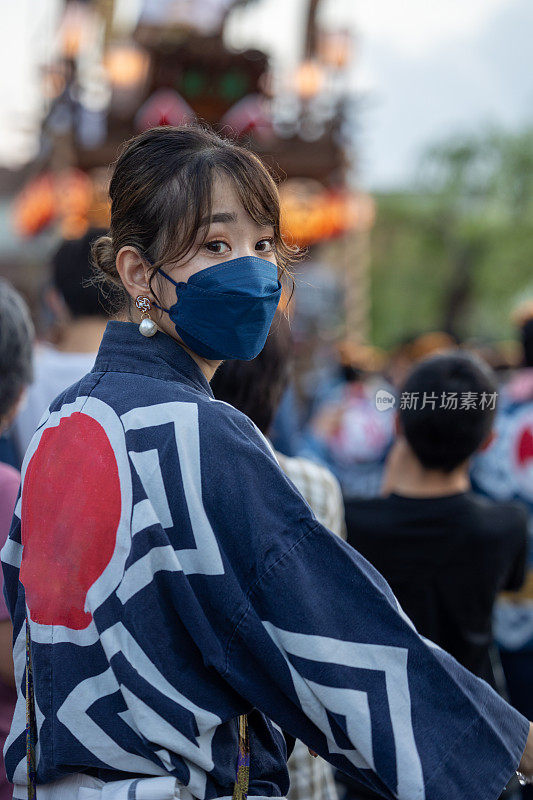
x: 445, y: 551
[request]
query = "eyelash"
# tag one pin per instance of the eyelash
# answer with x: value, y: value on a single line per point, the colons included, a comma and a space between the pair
x: 269, y: 239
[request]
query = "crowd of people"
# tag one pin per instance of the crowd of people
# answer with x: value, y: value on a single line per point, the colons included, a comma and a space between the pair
x: 305, y: 584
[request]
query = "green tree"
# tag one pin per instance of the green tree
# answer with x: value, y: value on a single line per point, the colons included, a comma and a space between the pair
x: 455, y: 250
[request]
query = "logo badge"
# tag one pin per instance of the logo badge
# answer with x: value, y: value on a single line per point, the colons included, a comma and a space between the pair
x: 384, y: 400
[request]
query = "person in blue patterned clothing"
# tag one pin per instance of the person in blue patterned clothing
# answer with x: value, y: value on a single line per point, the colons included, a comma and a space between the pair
x: 504, y: 473
x: 176, y: 604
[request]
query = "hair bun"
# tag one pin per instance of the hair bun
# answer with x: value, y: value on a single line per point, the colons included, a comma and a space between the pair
x: 104, y: 260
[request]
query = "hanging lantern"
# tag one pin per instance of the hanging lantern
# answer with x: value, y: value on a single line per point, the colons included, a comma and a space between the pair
x: 309, y: 79
x: 64, y: 198
x: 34, y: 208
x: 251, y: 115
x: 310, y: 213
x: 77, y: 30
x: 335, y: 48
x: 164, y: 107
x: 126, y: 65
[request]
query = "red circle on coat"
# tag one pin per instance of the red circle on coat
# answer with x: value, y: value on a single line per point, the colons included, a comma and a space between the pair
x: 71, y: 506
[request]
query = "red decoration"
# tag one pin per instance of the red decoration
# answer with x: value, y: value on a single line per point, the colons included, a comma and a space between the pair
x: 70, y: 514
x: 164, y: 107
x: 525, y: 447
x: 250, y: 115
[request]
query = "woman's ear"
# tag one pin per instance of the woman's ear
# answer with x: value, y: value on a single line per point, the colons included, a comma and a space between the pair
x: 134, y: 271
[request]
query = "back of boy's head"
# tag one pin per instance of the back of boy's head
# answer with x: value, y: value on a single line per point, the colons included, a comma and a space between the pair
x: 72, y: 273
x: 446, y: 409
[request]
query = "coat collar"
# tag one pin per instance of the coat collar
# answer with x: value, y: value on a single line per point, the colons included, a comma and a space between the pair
x: 124, y: 349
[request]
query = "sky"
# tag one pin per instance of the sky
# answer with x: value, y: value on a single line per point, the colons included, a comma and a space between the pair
x: 423, y: 71
x: 26, y: 38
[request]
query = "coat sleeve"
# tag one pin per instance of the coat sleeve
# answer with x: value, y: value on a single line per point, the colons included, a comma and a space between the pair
x: 322, y: 647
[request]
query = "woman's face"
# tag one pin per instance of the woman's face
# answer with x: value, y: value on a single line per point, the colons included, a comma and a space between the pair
x: 231, y: 233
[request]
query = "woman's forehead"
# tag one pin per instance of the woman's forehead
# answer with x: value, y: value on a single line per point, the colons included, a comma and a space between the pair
x: 224, y: 194
x: 226, y: 204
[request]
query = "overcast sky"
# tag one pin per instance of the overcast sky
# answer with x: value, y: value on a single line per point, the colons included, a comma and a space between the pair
x: 426, y: 69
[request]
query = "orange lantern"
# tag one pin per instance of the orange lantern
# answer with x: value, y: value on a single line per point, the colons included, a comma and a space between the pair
x: 311, y: 213
x: 126, y: 65
x: 309, y: 79
x: 65, y: 198
x: 34, y: 208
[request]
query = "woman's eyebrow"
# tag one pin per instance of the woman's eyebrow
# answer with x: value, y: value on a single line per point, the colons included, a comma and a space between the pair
x: 222, y: 216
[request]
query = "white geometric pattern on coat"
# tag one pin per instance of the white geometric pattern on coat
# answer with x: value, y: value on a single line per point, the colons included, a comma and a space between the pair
x: 142, y: 719
x: 205, y: 558
x: 315, y: 698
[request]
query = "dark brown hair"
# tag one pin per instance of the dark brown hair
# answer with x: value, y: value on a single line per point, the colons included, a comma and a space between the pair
x: 72, y: 275
x: 444, y: 434
x: 161, y: 191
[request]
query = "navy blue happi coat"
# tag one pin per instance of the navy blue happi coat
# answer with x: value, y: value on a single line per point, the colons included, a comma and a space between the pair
x: 175, y: 579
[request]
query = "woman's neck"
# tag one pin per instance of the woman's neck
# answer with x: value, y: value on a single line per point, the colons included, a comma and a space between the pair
x: 207, y: 366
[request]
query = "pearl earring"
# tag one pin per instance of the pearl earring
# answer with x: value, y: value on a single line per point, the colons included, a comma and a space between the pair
x: 147, y: 326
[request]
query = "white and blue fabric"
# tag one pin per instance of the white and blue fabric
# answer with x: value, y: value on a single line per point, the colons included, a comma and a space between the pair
x: 176, y: 579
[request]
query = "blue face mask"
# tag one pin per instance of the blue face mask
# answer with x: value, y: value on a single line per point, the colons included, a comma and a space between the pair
x: 225, y: 311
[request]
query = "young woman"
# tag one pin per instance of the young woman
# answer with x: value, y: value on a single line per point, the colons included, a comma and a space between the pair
x: 165, y: 578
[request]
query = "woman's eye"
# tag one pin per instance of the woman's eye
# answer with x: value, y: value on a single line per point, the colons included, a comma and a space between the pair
x: 265, y: 246
x: 217, y: 247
